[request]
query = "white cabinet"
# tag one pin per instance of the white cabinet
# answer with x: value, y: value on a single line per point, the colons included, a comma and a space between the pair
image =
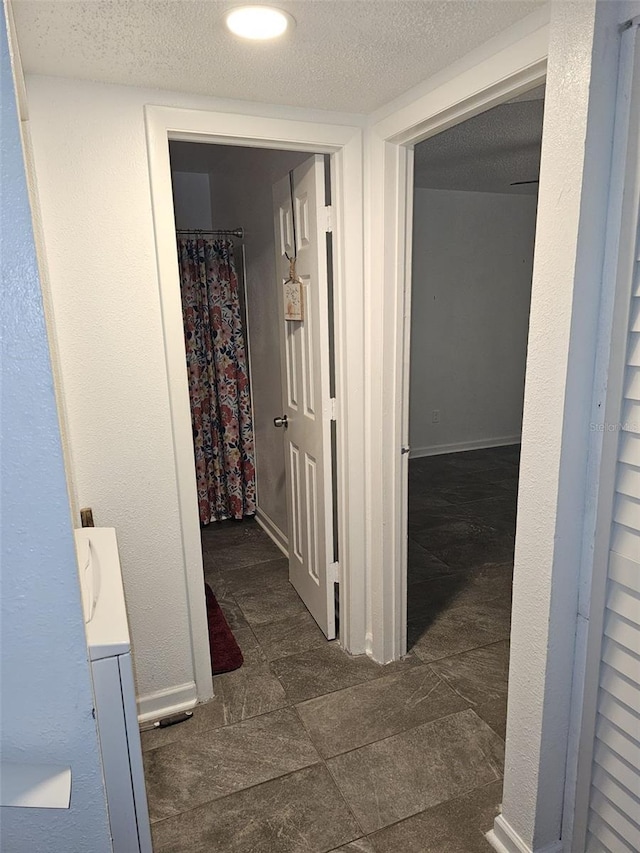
x: 114, y: 690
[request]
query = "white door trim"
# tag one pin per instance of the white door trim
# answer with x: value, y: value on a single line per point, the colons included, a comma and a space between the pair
x: 344, y: 143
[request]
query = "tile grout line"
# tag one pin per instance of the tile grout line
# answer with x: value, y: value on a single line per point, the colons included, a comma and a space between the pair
x: 318, y: 763
x: 463, y: 652
x: 466, y: 651
x: 429, y: 808
x: 328, y: 769
x: 323, y: 762
x: 358, y: 683
x: 434, y: 805
x: 406, y: 731
x: 344, y: 799
x: 202, y: 732
x: 408, y: 728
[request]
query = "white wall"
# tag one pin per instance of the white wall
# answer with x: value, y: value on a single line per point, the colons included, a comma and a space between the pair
x: 471, y: 289
x: 46, y: 701
x: 92, y: 172
x: 240, y: 183
x: 91, y: 166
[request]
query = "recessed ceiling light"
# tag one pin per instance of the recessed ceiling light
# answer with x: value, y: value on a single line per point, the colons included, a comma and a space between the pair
x: 258, y: 22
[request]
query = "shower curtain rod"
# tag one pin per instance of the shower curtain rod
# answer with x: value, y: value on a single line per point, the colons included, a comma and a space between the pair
x: 235, y: 232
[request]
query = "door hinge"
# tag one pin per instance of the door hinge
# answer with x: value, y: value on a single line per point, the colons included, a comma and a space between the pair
x: 329, y: 223
x: 405, y: 449
x: 332, y: 408
x: 333, y: 572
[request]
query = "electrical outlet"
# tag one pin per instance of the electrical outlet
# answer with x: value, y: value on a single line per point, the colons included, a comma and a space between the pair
x: 435, y: 416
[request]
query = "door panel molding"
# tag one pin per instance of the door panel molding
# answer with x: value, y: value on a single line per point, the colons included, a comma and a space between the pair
x: 309, y: 483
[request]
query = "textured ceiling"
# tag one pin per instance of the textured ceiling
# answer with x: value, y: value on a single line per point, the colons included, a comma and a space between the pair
x: 349, y: 55
x: 486, y: 153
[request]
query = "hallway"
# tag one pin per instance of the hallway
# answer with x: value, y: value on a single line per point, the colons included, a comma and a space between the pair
x: 305, y: 748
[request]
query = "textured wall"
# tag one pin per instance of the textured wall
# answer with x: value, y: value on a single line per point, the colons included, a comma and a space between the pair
x: 471, y: 287
x: 91, y: 167
x: 45, y: 688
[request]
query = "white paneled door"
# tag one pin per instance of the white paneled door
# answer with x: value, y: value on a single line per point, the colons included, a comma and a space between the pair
x: 301, y: 224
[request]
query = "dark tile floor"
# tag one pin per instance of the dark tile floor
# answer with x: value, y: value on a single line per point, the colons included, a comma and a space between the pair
x: 308, y: 750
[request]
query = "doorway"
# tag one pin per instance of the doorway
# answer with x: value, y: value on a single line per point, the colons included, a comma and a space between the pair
x: 260, y: 387
x: 474, y: 217
x: 344, y: 145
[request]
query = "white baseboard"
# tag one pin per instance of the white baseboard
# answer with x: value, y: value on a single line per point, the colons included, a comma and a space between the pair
x: 459, y: 446
x: 505, y: 839
x: 164, y: 703
x: 273, y: 531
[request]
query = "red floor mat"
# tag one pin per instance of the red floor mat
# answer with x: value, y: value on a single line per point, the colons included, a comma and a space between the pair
x: 225, y: 651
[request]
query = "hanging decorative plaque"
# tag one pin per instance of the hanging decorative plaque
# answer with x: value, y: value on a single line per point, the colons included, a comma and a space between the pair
x: 293, y: 294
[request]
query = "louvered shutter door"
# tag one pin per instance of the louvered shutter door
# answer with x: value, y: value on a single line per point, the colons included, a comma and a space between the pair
x: 614, y: 806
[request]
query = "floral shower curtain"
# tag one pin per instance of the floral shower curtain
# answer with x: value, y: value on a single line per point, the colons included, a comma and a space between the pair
x: 218, y: 379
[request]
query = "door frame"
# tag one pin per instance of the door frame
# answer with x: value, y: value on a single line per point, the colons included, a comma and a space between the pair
x: 503, y: 72
x: 390, y: 142
x: 344, y: 144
